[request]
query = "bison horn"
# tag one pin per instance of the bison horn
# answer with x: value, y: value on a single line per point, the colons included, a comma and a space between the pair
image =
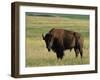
x: 43, y: 36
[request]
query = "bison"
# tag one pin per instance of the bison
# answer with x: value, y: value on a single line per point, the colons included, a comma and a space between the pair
x: 60, y: 40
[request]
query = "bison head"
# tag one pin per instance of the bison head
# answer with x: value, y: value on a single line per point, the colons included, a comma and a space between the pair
x: 48, y: 40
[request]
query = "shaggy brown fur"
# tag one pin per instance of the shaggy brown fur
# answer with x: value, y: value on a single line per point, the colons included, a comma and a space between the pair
x: 59, y: 40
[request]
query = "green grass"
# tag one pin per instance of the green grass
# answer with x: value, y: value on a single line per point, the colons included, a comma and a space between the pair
x: 60, y: 15
x: 36, y: 52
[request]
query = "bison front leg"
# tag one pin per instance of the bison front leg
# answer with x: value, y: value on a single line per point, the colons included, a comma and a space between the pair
x: 60, y: 55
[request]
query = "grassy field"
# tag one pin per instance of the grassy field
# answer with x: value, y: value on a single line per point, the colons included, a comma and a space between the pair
x: 36, y: 52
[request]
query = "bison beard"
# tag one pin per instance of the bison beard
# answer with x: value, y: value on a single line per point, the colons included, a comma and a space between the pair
x: 59, y: 40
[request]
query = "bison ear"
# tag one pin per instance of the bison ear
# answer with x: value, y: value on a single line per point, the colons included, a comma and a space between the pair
x: 43, y: 36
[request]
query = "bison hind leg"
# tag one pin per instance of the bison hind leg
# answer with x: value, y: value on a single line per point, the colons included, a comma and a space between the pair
x: 81, y: 52
x: 76, y: 52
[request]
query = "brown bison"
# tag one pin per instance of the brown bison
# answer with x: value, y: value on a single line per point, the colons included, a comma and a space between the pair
x: 59, y: 40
